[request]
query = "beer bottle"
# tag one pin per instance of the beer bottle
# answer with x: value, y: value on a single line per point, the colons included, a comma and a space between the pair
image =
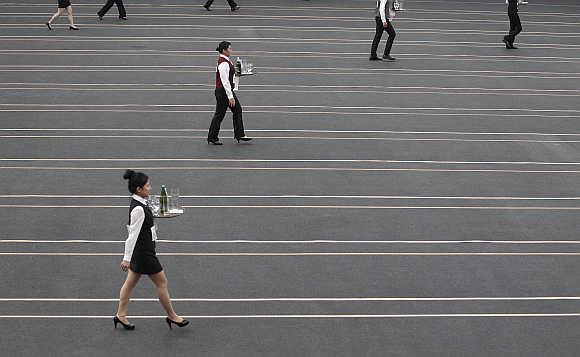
x: 163, y: 209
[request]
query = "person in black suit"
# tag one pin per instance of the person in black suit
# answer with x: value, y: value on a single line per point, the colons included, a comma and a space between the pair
x: 107, y: 7
x: 515, y: 24
x: 232, y: 4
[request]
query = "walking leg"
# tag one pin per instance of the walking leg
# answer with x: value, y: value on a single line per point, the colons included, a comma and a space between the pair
x: 105, y: 8
x: 238, y: 122
x: 392, y: 34
x: 160, y: 281
x: 125, y: 294
x: 378, y: 34
x: 121, y: 8
x: 220, y: 112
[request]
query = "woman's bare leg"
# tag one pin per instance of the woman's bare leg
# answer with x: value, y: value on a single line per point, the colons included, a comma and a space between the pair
x: 160, y: 281
x: 69, y: 13
x: 125, y: 294
x: 56, y: 15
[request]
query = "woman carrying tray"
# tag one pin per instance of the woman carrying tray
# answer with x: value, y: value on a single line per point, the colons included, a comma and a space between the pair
x: 140, y: 257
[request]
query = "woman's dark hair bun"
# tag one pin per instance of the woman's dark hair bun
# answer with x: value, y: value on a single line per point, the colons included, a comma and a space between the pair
x: 128, y: 174
x: 136, y: 180
x: 223, y: 46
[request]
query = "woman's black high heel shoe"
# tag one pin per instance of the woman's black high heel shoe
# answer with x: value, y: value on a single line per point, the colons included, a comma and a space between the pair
x: 73, y: 28
x: 116, y: 321
x: 49, y: 26
x: 180, y: 324
x: 243, y: 138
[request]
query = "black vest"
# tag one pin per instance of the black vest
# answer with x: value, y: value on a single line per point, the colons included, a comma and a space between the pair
x: 145, y: 242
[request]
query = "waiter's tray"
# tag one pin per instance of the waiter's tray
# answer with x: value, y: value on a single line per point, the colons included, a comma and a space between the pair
x: 171, y: 214
x: 244, y: 68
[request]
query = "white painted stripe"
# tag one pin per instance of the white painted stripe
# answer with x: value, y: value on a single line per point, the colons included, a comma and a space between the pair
x: 532, y: 5
x: 314, y: 299
x: 43, y: 85
x: 277, y: 54
x: 307, y: 29
x: 304, y: 242
x: 317, y: 138
x: 494, y: 315
x: 399, y: 113
x: 194, y: 86
x: 338, y: 69
x: 309, y: 72
x: 565, y: 47
x: 379, y: 197
x: 374, y: 108
x: 302, y: 254
x: 294, y: 18
x: 362, y: 9
x: 288, y: 131
x: 338, y: 169
x: 327, y: 41
x: 351, y: 207
x: 246, y: 39
x: 497, y: 92
x: 437, y: 162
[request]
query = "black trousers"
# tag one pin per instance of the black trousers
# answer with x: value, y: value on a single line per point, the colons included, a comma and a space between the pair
x: 379, y: 33
x: 232, y: 3
x: 515, y: 24
x: 108, y: 6
x: 222, y: 105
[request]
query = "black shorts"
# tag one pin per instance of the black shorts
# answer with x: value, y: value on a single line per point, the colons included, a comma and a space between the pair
x: 62, y: 4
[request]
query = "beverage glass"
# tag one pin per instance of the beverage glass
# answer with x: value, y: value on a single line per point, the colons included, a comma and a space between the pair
x: 154, y: 205
x: 174, y: 201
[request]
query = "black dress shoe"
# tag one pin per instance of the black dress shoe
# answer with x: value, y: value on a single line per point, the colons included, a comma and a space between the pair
x: 374, y: 58
x: 214, y: 142
x: 170, y: 322
x: 124, y: 18
x: 512, y: 46
x: 116, y: 321
x: 243, y: 138
x: 207, y: 7
x: 235, y: 8
x: 389, y: 58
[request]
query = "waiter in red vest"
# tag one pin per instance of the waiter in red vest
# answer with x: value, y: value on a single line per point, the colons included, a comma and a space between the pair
x: 225, y: 97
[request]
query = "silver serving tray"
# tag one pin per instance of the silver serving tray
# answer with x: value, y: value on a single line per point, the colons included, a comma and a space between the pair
x: 170, y: 214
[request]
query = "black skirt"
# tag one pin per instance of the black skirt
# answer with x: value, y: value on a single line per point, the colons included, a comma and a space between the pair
x: 145, y: 263
x: 62, y: 4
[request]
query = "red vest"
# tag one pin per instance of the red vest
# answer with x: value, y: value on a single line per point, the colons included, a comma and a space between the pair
x: 218, y: 79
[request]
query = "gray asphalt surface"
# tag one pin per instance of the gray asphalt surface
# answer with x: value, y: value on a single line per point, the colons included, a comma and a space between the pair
x: 424, y: 207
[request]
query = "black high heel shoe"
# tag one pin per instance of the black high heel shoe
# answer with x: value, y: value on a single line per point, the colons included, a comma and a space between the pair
x: 49, y: 26
x: 116, y: 321
x: 243, y: 138
x: 73, y: 28
x: 180, y: 324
